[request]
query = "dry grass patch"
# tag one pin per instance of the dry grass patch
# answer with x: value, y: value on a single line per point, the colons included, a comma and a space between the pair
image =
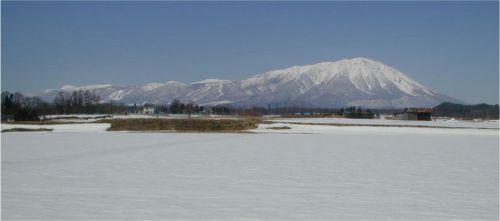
x: 182, y: 125
x: 26, y: 130
x: 279, y: 128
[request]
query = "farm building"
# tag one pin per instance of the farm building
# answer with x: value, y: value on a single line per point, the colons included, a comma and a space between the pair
x: 423, y: 114
x: 148, y: 109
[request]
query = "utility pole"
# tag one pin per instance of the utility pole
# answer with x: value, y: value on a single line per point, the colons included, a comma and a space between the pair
x: 302, y: 107
x: 285, y: 108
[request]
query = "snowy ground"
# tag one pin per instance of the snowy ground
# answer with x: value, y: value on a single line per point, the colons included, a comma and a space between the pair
x: 349, y: 130
x: 89, y: 127
x: 318, y: 172
x: 435, y: 123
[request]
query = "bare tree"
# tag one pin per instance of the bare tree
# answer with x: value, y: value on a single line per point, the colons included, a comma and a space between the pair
x: 189, y: 108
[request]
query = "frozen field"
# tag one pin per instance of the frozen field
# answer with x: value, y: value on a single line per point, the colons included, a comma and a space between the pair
x: 332, y: 173
x: 435, y: 123
x: 90, y: 127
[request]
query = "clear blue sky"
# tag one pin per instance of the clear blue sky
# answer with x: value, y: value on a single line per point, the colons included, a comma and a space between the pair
x: 451, y: 47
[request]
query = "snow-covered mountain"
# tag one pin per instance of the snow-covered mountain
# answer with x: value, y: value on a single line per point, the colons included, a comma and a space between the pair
x: 349, y: 82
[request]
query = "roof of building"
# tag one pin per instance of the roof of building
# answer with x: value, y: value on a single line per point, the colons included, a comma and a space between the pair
x: 418, y: 110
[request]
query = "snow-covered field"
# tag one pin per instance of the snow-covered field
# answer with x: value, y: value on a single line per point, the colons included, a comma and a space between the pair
x: 90, y: 127
x: 494, y: 124
x: 318, y: 172
x: 349, y: 130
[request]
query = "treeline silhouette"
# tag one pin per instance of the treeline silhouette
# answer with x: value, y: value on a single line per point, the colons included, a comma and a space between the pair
x: 483, y: 111
x: 353, y: 112
x: 25, y: 108
x: 18, y: 107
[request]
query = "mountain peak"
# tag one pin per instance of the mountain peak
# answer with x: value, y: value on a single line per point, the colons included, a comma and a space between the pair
x: 151, y: 86
x: 362, y: 59
x: 68, y: 87
x: 357, y: 81
x: 175, y: 83
x: 87, y: 87
x: 211, y: 81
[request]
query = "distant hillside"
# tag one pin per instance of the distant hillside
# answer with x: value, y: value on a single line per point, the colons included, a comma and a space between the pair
x: 485, y: 111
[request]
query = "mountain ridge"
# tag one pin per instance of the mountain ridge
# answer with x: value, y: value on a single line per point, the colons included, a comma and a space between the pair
x: 347, y: 82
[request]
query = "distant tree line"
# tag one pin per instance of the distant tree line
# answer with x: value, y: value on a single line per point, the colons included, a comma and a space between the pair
x: 356, y: 112
x: 19, y: 107
x: 178, y: 107
x: 83, y: 102
x: 483, y: 111
x: 25, y: 108
x: 175, y: 107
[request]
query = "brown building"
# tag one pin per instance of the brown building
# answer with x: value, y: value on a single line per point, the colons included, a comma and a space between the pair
x: 423, y: 114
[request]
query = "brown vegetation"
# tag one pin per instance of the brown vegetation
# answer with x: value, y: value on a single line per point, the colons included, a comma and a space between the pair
x: 26, y: 130
x: 279, y: 128
x: 182, y: 125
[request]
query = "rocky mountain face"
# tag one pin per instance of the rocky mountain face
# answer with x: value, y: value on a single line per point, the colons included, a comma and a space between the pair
x: 349, y: 82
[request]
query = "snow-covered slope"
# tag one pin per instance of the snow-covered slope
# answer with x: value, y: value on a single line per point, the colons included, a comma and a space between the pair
x: 348, y: 82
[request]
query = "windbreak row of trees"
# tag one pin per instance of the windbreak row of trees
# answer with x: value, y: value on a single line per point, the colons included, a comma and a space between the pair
x: 24, y: 108
x: 177, y: 107
x: 353, y: 112
x: 483, y: 111
x: 81, y: 101
x: 19, y: 107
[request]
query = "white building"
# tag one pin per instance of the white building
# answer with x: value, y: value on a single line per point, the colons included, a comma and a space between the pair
x: 148, y: 109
